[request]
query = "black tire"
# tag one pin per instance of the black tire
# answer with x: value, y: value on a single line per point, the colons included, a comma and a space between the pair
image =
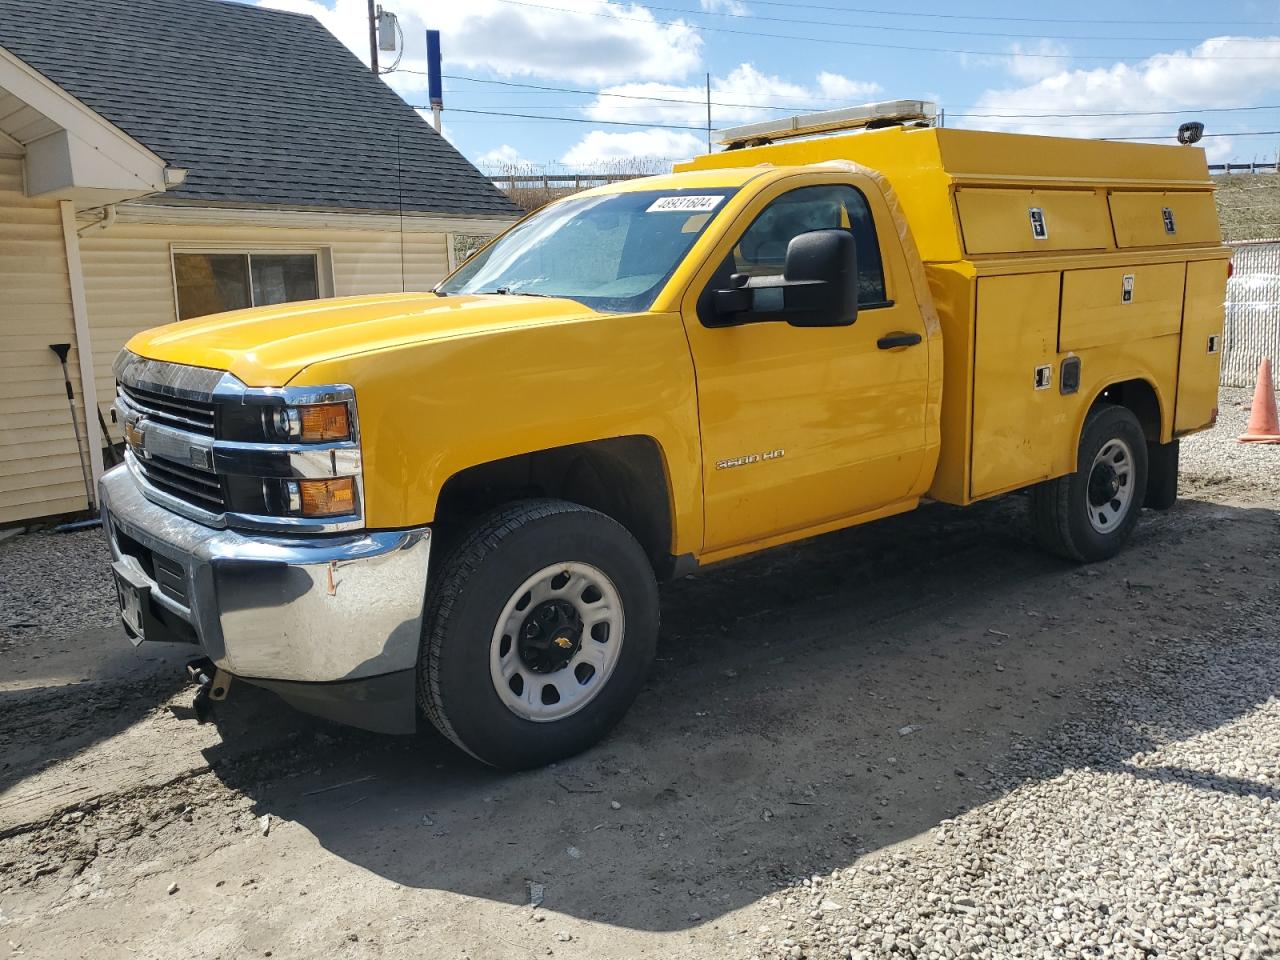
x: 466, y: 600
x: 1060, y: 508
x: 1162, y: 475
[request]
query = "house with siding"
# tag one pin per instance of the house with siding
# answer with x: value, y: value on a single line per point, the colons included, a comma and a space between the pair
x: 165, y: 159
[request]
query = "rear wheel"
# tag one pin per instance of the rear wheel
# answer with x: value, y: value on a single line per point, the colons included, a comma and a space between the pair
x: 538, y: 635
x: 1089, y: 514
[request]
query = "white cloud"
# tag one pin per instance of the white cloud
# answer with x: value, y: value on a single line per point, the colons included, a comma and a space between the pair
x: 599, y: 148
x: 1182, y: 80
x: 1035, y: 61
x: 583, y: 46
x: 1025, y: 61
x: 835, y: 86
x: 750, y: 91
x: 734, y: 7
x: 505, y: 156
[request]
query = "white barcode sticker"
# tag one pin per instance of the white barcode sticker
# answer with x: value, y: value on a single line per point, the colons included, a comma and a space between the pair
x: 684, y: 204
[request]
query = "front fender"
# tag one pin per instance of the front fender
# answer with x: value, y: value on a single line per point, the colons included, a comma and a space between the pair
x: 430, y: 410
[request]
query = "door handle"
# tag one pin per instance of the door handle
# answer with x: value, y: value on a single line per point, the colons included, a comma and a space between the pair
x: 891, y: 340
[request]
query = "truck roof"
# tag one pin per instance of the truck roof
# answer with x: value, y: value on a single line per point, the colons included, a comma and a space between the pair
x: 968, y: 156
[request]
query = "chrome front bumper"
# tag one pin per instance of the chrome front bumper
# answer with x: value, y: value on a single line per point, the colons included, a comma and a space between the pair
x: 313, y: 608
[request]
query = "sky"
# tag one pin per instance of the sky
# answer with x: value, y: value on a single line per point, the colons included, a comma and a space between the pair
x: 633, y: 75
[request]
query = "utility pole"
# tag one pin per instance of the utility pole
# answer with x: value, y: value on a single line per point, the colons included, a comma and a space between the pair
x: 373, y: 36
x: 708, y: 113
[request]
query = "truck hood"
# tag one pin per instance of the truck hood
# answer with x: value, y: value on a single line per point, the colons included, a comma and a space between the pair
x: 268, y: 346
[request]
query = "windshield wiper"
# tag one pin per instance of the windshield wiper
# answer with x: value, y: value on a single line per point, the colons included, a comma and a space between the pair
x: 508, y: 292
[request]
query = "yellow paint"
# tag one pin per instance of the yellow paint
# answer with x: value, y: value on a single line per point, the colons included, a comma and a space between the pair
x: 1094, y: 311
x: 1016, y: 428
x: 849, y: 417
x: 266, y: 346
x: 1140, y: 220
x: 1073, y: 220
x: 1198, y: 371
x: 767, y: 432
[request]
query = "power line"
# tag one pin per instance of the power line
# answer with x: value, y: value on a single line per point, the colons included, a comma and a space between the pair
x: 672, y: 126
x: 1091, y: 21
x: 605, y: 93
x: 1164, y: 136
x: 914, y: 29
x: 535, y: 116
x: 763, y: 106
x: 861, y: 43
x: 1113, y: 113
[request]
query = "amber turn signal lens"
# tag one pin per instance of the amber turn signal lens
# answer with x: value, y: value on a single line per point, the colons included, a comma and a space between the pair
x: 325, y: 421
x: 327, y: 498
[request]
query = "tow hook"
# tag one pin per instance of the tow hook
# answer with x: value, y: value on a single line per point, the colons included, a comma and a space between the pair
x: 211, y: 683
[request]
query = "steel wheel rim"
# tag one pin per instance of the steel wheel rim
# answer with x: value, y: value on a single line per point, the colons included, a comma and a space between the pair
x: 1109, y: 496
x: 593, y: 597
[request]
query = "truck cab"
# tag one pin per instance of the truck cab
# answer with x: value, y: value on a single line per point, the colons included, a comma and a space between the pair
x: 458, y: 503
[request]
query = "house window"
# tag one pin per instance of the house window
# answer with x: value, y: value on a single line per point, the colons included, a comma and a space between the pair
x: 213, y: 282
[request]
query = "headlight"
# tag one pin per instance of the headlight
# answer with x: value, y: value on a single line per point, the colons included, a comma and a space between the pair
x: 311, y: 423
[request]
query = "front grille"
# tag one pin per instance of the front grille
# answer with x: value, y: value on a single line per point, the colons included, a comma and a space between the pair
x: 194, y: 416
x: 201, y: 488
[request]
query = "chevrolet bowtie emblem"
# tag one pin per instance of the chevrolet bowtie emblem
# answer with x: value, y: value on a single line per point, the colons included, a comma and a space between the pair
x: 134, y: 436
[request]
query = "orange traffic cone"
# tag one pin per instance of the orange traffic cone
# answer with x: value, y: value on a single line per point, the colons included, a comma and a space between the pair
x: 1264, y: 424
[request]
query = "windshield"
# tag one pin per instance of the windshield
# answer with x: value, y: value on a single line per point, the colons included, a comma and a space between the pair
x: 611, y: 252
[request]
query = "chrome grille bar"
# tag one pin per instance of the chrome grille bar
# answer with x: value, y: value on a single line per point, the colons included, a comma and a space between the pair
x: 188, y: 414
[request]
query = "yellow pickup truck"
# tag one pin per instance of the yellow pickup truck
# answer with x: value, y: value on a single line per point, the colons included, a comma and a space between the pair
x: 458, y: 503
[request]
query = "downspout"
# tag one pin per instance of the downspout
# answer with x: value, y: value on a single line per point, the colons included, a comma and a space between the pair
x: 84, y: 343
x: 104, y: 222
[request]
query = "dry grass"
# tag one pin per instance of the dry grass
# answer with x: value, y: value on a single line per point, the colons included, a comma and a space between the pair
x: 1249, y: 205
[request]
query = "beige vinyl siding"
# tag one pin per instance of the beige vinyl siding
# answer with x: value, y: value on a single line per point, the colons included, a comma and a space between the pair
x: 39, y: 466
x: 128, y: 273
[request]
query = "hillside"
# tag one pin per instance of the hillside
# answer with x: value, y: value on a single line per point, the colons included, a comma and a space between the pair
x: 1249, y: 205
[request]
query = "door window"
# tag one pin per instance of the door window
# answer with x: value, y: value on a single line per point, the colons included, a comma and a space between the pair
x: 762, y: 250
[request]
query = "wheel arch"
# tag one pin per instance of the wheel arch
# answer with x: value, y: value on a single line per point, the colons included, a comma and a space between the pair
x: 626, y: 478
x: 1143, y: 399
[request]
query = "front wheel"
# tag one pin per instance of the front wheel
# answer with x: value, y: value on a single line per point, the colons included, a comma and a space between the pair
x: 1089, y: 514
x: 538, y: 634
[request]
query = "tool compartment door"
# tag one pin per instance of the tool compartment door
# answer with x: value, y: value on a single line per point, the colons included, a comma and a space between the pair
x: 1018, y: 423
x: 1152, y: 219
x: 1023, y: 220
x: 1200, y: 352
x: 1120, y: 304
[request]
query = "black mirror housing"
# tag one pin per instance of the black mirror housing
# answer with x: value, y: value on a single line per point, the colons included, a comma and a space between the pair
x: 818, y: 286
x: 822, y: 270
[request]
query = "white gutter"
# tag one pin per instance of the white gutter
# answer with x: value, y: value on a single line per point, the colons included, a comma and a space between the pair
x: 84, y: 343
x: 102, y: 223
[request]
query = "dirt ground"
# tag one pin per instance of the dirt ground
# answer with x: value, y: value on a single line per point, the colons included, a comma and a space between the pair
x: 767, y: 745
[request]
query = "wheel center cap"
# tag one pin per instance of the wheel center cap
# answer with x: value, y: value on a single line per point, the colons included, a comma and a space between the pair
x: 550, y: 636
x: 1104, y: 484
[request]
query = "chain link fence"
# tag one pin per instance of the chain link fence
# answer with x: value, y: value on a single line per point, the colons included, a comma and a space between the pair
x: 1253, y: 311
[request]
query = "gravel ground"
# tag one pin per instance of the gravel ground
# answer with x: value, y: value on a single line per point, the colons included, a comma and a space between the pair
x: 1214, y: 459
x: 56, y: 585
x: 1089, y: 767
x: 1171, y: 852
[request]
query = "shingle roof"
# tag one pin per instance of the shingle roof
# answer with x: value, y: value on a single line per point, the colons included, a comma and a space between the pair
x: 261, y: 106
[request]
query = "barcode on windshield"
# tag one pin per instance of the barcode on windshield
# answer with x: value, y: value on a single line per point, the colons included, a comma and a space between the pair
x: 683, y: 204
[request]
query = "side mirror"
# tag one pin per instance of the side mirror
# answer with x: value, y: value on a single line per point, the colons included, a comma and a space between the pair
x: 818, y: 286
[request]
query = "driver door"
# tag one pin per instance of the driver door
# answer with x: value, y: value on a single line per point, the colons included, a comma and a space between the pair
x: 805, y: 426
